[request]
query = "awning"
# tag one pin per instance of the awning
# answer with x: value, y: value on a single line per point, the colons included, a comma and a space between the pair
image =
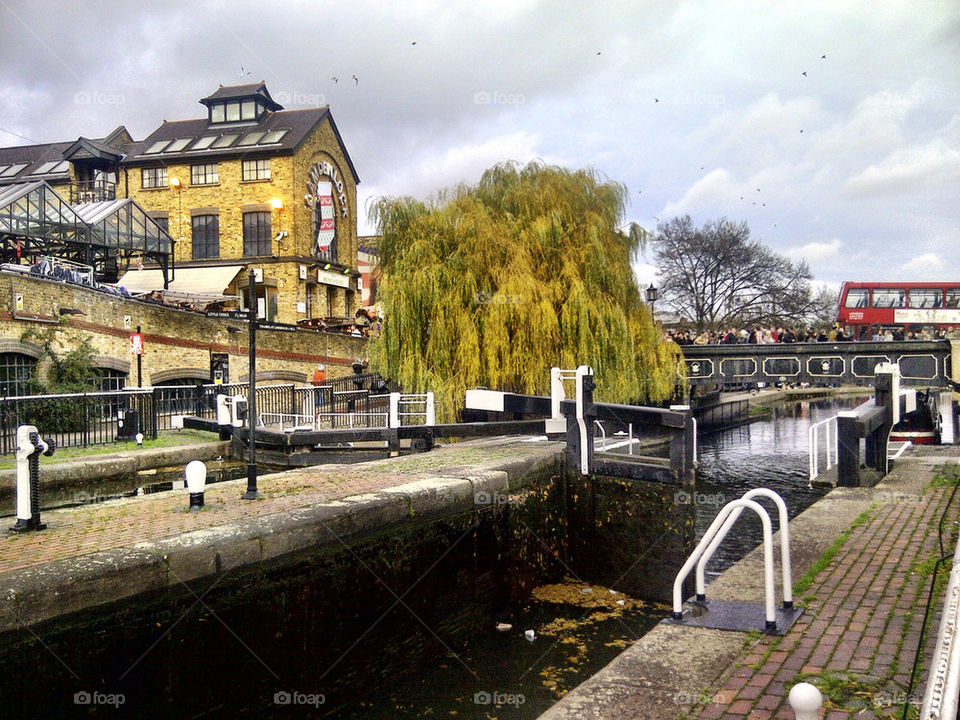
x: 198, y: 280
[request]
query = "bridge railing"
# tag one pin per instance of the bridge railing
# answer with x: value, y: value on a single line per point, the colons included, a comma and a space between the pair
x: 920, y: 362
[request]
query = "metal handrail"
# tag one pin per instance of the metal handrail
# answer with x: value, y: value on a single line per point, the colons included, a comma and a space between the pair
x: 769, y: 590
x: 784, y: 544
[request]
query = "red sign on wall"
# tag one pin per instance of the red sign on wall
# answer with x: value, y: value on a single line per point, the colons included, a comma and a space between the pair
x: 136, y: 343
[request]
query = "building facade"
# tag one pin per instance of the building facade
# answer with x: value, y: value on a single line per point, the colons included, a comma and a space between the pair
x: 254, y: 187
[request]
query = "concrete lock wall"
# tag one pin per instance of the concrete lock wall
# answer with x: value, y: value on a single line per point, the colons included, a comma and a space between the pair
x: 177, y: 343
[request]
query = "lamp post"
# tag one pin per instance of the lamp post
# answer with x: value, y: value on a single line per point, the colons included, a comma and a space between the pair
x: 652, y: 294
x: 251, y: 493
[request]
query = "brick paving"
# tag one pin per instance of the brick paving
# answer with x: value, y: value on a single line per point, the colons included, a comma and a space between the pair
x: 123, y: 523
x: 858, y: 636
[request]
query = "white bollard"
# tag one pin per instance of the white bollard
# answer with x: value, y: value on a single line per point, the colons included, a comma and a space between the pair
x: 806, y: 701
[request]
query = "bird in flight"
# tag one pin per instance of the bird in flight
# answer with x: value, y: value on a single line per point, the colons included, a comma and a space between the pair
x: 243, y: 72
x: 335, y: 79
x: 804, y: 73
x: 599, y: 52
x: 414, y: 42
x: 823, y: 57
x: 356, y: 80
x: 656, y: 100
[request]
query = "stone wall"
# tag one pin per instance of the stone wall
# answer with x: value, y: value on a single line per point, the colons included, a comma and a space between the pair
x: 177, y: 343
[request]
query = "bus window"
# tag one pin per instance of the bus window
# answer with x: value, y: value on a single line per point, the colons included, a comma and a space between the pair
x: 953, y: 299
x: 857, y: 298
x: 889, y: 297
x: 925, y: 298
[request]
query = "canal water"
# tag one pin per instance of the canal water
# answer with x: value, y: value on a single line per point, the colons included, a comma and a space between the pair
x: 470, y: 618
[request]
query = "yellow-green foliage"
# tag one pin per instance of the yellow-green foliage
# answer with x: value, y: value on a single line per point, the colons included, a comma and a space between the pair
x: 492, y: 285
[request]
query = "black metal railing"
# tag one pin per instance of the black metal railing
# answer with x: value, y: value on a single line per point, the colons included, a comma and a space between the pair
x: 92, y: 191
x: 102, y: 418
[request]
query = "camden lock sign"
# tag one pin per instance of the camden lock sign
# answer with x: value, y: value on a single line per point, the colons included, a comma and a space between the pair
x: 323, y: 182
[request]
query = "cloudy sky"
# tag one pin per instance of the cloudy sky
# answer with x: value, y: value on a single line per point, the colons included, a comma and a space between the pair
x: 831, y: 127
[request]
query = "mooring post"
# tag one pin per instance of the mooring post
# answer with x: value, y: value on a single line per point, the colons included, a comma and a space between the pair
x: 683, y: 448
x: 29, y: 447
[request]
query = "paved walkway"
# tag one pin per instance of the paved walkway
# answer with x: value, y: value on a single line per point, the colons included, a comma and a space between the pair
x: 123, y: 523
x: 858, y: 637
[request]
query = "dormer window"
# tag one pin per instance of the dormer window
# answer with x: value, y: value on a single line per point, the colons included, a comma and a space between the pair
x: 236, y: 111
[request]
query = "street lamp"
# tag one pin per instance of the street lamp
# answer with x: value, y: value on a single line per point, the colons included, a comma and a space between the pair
x: 652, y: 295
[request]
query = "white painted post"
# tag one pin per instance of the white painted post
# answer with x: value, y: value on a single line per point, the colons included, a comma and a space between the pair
x: 223, y: 409
x: 557, y: 424
x: 394, y: 421
x: 947, y: 431
x: 430, y: 412
x: 806, y: 701
x: 686, y: 408
x: 25, y: 449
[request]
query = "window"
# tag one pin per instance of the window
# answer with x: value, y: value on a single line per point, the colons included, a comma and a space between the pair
x: 224, y: 141
x: 274, y: 136
x: 206, y: 236
x: 953, y: 299
x: 233, y: 112
x: 154, y: 177
x: 857, y: 298
x: 15, y: 372
x: 163, y: 223
x: 156, y: 147
x: 889, y: 297
x: 256, y: 169
x: 256, y: 233
x: 11, y: 170
x: 178, y: 145
x: 204, y: 142
x: 248, y: 111
x: 217, y: 113
x: 925, y: 298
x: 205, y: 174
x: 251, y: 138
x: 112, y: 380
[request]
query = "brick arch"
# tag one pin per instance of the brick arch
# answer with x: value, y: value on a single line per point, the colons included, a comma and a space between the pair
x: 31, y: 349
x: 184, y: 373
x: 289, y: 375
x: 112, y: 363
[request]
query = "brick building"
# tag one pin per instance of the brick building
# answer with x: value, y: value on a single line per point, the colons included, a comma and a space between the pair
x: 250, y: 186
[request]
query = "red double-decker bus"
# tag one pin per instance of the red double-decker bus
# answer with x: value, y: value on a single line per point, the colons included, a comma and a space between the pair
x: 869, y: 308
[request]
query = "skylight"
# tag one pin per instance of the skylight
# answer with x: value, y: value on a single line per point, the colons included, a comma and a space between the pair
x: 156, y: 147
x: 274, y: 136
x: 13, y: 170
x: 204, y: 142
x: 52, y: 167
x: 224, y: 141
x: 178, y: 145
x: 251, y: 138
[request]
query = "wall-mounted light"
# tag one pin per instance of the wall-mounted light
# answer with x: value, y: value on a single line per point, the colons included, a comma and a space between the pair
x: 346, y: 271
x: 327, y: 266
x: 277, y: 204
x: 175, y: 183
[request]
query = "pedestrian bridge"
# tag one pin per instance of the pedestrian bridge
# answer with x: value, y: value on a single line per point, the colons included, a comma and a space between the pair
x: 921, y: 363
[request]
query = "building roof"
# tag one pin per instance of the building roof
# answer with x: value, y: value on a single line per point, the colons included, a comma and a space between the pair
x: 198, y: 140
x: 46, y: 161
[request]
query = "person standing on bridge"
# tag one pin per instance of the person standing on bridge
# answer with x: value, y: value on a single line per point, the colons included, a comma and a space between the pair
x: 319, y: 381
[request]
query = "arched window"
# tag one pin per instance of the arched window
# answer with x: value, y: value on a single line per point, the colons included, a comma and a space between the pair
x: 16, y: 369
x: 111, y: 379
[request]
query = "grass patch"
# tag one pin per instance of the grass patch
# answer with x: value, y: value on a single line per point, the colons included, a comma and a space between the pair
x: 945, y: 476
x: 803, y: 584
x: 167, y: 438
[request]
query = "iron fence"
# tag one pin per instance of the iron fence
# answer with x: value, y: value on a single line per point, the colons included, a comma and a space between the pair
x: 102, y: 418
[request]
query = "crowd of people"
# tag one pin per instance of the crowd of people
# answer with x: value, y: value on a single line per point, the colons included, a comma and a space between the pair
x: 766, y: 335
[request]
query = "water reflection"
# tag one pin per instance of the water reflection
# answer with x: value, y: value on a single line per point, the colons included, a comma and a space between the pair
x: 769, y: 453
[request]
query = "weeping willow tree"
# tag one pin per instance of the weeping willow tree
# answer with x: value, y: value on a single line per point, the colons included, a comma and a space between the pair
x: 491, y: 285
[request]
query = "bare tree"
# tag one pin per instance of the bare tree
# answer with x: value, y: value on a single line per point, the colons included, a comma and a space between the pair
x: 717, y: 276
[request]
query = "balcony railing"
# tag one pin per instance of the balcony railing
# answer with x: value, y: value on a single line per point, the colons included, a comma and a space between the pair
x: 92, y: 191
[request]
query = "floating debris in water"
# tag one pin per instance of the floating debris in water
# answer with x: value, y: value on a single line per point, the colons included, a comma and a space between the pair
x: 587, y: 590
x: 530, y: 635
x: 503, y: 627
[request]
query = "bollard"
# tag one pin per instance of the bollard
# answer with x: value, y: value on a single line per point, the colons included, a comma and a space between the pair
x: 806, y: 701
x: 29, y: 447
